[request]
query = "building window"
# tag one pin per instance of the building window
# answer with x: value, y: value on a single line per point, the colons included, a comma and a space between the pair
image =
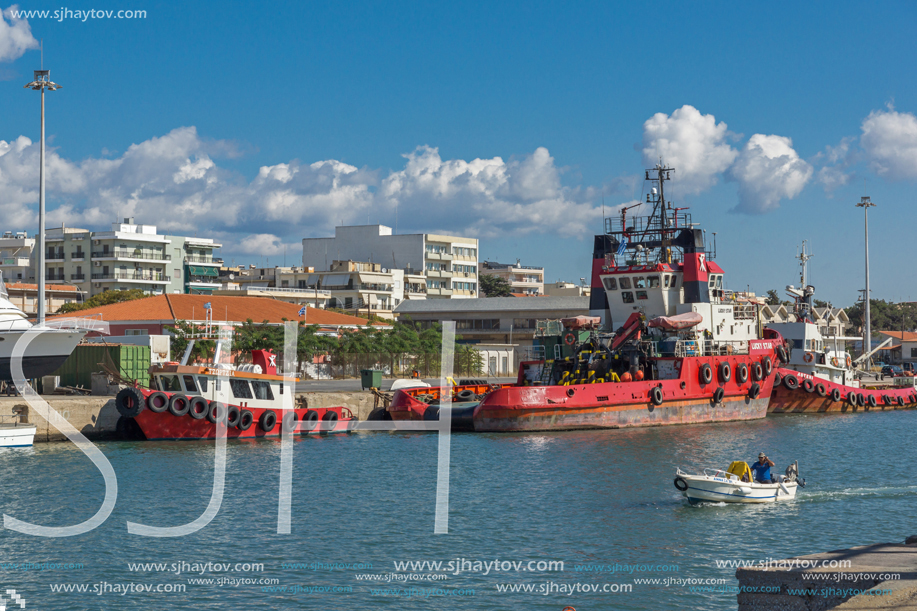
x: 914, y: 353
x: 627, y: 296
x: 136, y: 332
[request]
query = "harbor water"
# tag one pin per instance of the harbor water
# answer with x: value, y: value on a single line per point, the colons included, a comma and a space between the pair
x: 600, y: 502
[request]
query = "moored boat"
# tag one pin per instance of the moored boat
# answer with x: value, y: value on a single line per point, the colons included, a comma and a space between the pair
x: 184, y: 403
x: 16, y: 434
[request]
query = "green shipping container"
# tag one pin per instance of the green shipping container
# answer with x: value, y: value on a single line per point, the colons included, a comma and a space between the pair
x: 131, y: 362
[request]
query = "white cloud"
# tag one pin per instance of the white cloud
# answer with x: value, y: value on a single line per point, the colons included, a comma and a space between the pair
x: 837, y: 161
x: 692, y: 143
x: 176, y: 182
x: 889, y: 140
x: 768, y: 170
x: 15, y: 35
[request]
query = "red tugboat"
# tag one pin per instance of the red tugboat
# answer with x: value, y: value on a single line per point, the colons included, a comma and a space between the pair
x: 182, y: 403
x: 820, y: 376
x: 688, y: 351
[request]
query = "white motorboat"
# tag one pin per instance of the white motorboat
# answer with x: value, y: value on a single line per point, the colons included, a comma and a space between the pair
x: 16, y: 435
x: 736, y: 485
x: 45, y: 352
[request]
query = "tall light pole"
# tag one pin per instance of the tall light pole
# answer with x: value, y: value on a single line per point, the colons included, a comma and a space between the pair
x: 42, y: 81
x: 865, y: 204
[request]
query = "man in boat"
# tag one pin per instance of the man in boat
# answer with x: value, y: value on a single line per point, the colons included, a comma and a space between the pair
x: 762, y: 469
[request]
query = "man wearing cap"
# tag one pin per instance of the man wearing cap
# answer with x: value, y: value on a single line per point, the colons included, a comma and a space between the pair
x: 762, y: 469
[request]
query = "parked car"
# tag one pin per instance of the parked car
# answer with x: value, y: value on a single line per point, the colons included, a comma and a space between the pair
x: 892, y: 371
x: 908, y: 368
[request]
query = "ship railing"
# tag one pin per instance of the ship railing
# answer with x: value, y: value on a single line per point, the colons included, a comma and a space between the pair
x: 725, y: 347
x: 534, y: 353
x: 745, y: 311
x: 694, y: 347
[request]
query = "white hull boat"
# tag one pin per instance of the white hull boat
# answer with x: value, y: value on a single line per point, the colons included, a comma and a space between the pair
x: 734, y: 485
x: 17, y: 435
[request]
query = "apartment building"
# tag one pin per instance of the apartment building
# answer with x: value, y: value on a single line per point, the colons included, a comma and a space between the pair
x: 16, y: 257
x: 448, y: 264
x: 567, y: 289
x: 524, y: 279
x: 127, y: 257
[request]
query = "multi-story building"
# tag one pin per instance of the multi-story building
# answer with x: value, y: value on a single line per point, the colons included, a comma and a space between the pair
x: 448, y: 264
x: 524, y: 279
x: 25, y: 296
x: 567, y: 289
x: 16, y: 257
x: 127, y: 257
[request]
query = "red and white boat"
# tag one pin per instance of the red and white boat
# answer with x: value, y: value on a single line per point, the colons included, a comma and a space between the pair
x: 820, y: 375
x: 183, y: 403
x: 688, y: 352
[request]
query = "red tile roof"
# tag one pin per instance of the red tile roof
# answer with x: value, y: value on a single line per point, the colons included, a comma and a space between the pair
x: 235, y: 309
x: 906, y: 336
x: 34, y: 287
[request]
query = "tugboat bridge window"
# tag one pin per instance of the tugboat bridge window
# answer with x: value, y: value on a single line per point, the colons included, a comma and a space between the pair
x: 262, y: 390
x: 625, y: 283
x: 171, y: 383
x: 653, y: 282
x: 190, y: 386
x: 641, y: 294
x: 674, y: 282
x: 240, y: 389
x: 202, y: 380
x: 627, y: 296
x: 639, y: 282
x: 610, y: 284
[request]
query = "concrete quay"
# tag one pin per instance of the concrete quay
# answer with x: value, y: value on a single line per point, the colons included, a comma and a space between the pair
x: 881, y: 576
x: 97, y: 417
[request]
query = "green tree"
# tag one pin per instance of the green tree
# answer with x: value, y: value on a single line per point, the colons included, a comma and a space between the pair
x: 103, y: 299
x: 182, y: 333
x: 494, y: 286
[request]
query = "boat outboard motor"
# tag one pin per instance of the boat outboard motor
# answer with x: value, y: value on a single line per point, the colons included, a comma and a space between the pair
x: 792, y: 474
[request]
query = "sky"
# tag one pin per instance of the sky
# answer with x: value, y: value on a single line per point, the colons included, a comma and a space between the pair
x: 514, y: 122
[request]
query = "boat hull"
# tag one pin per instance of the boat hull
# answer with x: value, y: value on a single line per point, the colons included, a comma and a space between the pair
x: 45, y: 353
x: 17, y: 436
x: 702, y: 489
x: 798, y: 401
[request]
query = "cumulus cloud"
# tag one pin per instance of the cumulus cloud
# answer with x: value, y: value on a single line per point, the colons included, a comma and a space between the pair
x: 176, y: 182
x: 692, y: 143
x: 768, y: 170
x: 836, y: 162
x: 15, y: 35
x: 889, y: 141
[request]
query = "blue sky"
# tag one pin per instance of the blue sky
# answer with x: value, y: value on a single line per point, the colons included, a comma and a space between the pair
x: 263, y: 124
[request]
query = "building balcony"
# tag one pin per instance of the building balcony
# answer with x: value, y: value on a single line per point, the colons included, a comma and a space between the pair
x: 125, y: 276
x: 204, y: 282
x: 15, y: 262
x: 78, y: 256
x: 131, y: 255
x: 202, y: 259
x: 437, y: 256
x: 438, y: 273
x: 54, y: 278
x: 54, y: 256
x: 77, y: 276
x: 431, y: 292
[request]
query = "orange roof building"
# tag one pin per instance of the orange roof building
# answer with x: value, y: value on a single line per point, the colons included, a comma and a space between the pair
x: 151, y: 315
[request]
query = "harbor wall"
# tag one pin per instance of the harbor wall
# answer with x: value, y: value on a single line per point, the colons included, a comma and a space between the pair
x: 97, y: 417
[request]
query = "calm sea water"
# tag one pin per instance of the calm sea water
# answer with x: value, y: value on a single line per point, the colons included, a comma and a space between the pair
x: 584, y: 498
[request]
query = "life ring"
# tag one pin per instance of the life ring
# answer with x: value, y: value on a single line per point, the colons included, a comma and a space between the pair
x: 791, y: 382
x: 268, y: 420
x: 741, y: 373
x: 768, y: 366
x: 129, y: 402
x: 158, y: 402
x: 569, y: 338
x: 808, y: 385
x: 757, y: 372
x: 179, y: 405
x: 835, y: 395
x: 310, y: 419
x: 656, y: 395
x: 725, y: 371
x: 809, y: 357
x: 821, y: 390
x: 705, y: 374
x: 834, y: 361
x: 849, y: 362
x: 246, y: 420
x: 329, y: 421
x: 718, y: 394
x: 681, y: 484
x: 198, y: 408
x: 753, y: 391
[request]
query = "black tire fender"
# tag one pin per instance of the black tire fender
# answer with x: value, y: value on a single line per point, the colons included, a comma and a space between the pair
x: 198, y: 408
x: 757, y: 372
x: 872, y: 400
x: 835, y: 395
x: 681, y: 484
x: 310, y: 420
x: 289, y: 422
x: 718, y: 394
x: 821, y: 390
x: 782, y: 355
x: 725, y: 370
x: 808, y: 386
x: 329, y: 421
x: 754, y: 391
x: 129, y: 402
x: 268, y: 420
x: 656, y: 395
x: 861, y: 400
x: 465, y: 395
x: 852, y: 398
x: 179, y: 404
x: 158, y: 402
x: 233, y: 414
x: 741, y: 373
x: 705, y: 374
x: 768, y: 366
x: 777, y: 380
x: 246, y: 420
x: 791, y: 382
x: 217, y: 412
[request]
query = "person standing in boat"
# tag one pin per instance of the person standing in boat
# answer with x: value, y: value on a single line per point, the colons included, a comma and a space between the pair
x: 762, y: 469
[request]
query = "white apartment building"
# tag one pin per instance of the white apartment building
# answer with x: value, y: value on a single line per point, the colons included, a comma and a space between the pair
x: 523, y: 279
x: 567, y: 289
x: 16, y: 257
x: 448, y: 264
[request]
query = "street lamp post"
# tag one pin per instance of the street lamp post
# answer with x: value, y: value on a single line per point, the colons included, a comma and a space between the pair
x: 866, y: 204
x: 42, y: 81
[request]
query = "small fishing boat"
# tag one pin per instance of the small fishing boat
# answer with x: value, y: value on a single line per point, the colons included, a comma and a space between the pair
x: 16, y: 434
x: 736, y: 485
